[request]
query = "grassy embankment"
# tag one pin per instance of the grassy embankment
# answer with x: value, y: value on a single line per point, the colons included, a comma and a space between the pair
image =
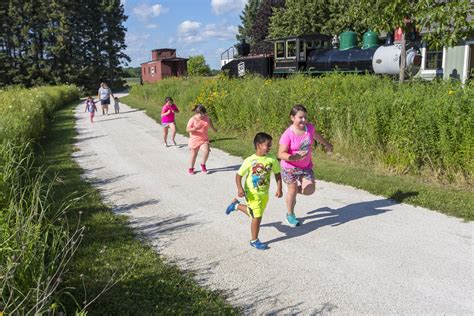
x: 411, y: 142
x: 110, y: 251
x: 36, y: 239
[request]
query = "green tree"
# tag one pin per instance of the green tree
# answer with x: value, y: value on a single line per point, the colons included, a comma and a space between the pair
x: 259, y: 30
x: 314, y: 16
x: 197, y: 66
x: 446, y: 21
x: 248, y: 18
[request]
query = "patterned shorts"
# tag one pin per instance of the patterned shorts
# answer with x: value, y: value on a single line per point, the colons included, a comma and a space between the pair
x: 293, y: 175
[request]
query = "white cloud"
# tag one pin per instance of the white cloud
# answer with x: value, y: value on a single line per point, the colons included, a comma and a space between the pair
x: 145, y: 12
x: 224, y: 6
x: 151, y: 26
x: 190, y: 32
x: 136, y: 49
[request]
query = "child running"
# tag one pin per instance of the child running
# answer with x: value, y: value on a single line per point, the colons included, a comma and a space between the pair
x: 198, y: 126
x: 167, y: 120
x: 258, y: 169
x: 117, y: 105
x: 91, y: 108
x: 295, y: 154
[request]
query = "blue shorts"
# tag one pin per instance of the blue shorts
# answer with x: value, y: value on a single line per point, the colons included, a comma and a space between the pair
x: 105, y: 101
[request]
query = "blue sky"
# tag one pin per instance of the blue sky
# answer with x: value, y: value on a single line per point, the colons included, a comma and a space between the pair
x: 193, y: 27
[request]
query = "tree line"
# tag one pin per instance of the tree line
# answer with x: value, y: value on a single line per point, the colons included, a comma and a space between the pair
x: 62, y: 41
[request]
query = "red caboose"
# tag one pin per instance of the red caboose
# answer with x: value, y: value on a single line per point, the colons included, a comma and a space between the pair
x: 163, y: 63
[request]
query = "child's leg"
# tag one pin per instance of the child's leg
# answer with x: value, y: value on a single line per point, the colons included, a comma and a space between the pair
x: 194, y: 153
x: 165, y: 134
x: 255, y: 227
x: 307, y: 186
x: 205, y: 151
x: 173, y: 132
x: 291, y: 197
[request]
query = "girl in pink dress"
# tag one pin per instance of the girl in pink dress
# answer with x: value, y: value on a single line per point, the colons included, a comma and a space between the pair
x: 295, y: 154
x: 198, y: 126
x: 167, y: 120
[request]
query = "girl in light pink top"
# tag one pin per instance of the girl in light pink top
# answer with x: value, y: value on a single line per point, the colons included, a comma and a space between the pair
x: 295, y: 154
x: 198, y: 126
x: 167, y: 120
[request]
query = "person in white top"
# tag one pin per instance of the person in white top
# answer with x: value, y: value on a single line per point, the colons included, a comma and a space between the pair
x: 104, y: 96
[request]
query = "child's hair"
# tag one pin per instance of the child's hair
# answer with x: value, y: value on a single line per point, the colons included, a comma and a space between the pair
x: 116, y: 98
x: 168, y: 99
x: 89, y: 97
x: 260, y: 138
x: 296, y: 108
x: 199, y: 108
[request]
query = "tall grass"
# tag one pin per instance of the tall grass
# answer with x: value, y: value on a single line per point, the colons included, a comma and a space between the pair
x: 36, y: 242
x: 417, y: 128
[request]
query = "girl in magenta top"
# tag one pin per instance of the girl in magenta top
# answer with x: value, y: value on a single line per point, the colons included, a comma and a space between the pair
x: 167, y: 120
x: 295, y: 154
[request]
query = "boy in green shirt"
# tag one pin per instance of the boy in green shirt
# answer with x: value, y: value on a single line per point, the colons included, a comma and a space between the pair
x: 258, y: 169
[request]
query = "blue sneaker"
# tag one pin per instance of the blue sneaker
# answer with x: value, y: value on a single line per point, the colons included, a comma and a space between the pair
x: 258, y: 245
x: 231, y: 207
x: 292, y: 220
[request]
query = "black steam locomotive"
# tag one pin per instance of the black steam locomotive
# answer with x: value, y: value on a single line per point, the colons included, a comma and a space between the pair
x: 315, y: 54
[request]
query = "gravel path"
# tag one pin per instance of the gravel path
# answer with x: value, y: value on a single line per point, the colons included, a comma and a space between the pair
x: 355, y: 252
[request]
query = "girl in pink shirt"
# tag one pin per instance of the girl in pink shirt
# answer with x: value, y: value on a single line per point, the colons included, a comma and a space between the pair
x: 167, y: 120
x: 295, y: 154
x: 198, y: 126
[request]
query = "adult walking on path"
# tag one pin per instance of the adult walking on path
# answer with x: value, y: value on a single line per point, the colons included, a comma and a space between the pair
x: 104, y: 95
x: 354, y: 252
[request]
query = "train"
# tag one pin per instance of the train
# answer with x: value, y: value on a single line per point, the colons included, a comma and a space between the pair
x: 320, y: 53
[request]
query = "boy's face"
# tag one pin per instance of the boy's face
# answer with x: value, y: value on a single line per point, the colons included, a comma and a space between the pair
x: 265, y: 147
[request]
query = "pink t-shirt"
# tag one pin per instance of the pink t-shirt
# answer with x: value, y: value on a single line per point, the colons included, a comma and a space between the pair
x: 169, y: 118
x: 297, y: 143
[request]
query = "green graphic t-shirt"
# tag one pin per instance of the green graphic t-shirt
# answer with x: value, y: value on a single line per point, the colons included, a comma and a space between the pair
x: 258, y: 170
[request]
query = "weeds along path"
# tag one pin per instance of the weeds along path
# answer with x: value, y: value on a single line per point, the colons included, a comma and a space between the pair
x: 354, y: 253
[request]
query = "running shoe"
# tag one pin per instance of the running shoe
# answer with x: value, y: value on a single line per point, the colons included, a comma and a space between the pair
x: 258, y: 245
x: 231, y: 207
x: 191, y: 171
x: 292, y: 220
x: 204, y: 169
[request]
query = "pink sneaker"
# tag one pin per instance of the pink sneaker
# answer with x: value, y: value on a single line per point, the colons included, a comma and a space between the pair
x: 191, y: 171
x: 203, y: 168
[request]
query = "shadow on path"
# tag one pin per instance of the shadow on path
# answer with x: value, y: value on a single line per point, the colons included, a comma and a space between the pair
x: 128, y: 207
x: 224, y: 169
x: 326, y: 216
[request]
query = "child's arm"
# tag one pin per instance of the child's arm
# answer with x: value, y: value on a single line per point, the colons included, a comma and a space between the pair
x: 284, y: 155
x: 279, y: 191
x: 166, y: 113
x: 85, y: 110
x: 176, y: 110
x: 212, y: 125
x: 191, y: 127
x: 327, y: 145
x: 238, y: 182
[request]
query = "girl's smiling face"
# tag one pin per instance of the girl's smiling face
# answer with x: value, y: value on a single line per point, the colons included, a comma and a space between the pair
x: 299, y: 119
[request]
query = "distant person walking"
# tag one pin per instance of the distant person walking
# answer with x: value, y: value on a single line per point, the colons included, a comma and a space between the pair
x: 103, y: 95
x: 197, y: 127
x: 117, y: 105
x: 91, y: 108
x: 167, y: 120
x: 296, y: 163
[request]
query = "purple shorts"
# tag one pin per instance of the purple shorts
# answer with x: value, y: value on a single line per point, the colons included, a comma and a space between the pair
x: 294, y: 175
